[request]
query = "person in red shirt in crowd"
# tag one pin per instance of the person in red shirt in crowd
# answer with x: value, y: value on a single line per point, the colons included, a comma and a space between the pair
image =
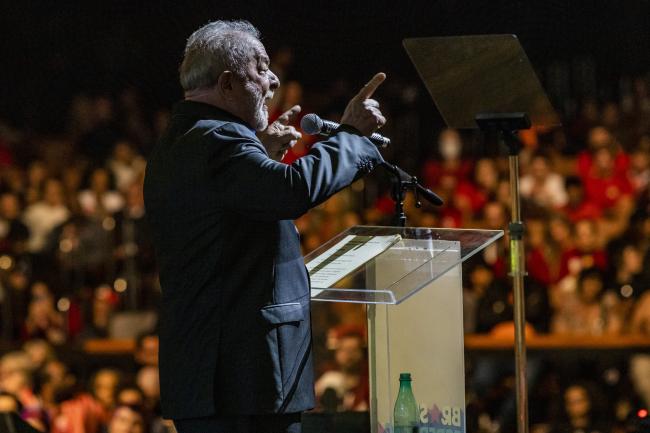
x: 88, y: 412
x: 538, y: 250
x: 603, y: 169
x: 578, y: 207
x: 604, y: 173
x: 561, y: 232
x: 452, y: 165
x: 639, y: 170
x: 560, y: 239
x: 586, y: 253
x: 483, y: 187
x: 456, y: 211
x: 444, y: 176
x: 465, y: 198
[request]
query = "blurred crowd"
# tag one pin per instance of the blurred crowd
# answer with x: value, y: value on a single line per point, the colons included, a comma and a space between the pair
x: 51, y: 396
x: 76, y: 263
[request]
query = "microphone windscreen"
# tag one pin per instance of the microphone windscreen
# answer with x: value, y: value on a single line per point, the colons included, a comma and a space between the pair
x: 311, y: 124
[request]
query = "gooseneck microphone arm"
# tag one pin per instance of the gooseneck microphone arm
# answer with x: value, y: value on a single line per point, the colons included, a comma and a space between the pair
x: 313, y: 125
x: 402, y: 183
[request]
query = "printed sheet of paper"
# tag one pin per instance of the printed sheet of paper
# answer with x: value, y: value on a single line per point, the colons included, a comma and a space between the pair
x: 344, y: 257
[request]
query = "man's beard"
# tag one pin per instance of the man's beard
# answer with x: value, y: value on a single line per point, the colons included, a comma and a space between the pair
x: 255, y: 105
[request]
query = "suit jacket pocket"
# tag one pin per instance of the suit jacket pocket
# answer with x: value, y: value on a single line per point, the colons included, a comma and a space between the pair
x: 289, y: 339
x: 278, y: 314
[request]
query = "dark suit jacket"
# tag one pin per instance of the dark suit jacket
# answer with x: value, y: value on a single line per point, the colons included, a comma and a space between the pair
x: 235, y: 334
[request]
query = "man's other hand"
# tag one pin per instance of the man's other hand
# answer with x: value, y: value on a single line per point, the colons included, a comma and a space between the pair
x: 363, y: 112
x: 279, y: 136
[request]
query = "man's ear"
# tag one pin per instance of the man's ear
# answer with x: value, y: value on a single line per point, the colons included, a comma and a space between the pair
x: 225, y: 84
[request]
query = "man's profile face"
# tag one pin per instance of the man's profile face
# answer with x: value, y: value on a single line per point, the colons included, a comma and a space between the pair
x: 256, y: 88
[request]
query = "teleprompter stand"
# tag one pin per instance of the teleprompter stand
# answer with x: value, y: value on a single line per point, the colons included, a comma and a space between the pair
x: 488, y: 82
x: 506, y: 126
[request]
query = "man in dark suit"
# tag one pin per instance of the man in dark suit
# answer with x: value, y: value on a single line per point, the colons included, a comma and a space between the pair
x: 235, y: 337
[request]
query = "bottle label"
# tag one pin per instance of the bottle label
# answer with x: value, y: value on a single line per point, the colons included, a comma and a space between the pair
x: 445, y: 419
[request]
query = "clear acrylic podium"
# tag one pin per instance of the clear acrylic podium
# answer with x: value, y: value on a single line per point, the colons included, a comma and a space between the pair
x: 413, y: 293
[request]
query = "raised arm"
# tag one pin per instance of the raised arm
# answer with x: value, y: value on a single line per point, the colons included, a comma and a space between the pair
x: 252, y: 183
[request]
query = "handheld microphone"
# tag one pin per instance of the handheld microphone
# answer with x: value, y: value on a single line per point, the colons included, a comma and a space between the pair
x: 313, y: 125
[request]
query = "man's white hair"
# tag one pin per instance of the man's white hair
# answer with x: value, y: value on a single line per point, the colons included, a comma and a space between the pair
x: 214, y: 48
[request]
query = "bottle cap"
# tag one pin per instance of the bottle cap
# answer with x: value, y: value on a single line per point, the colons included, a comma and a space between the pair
x: 405, y: 376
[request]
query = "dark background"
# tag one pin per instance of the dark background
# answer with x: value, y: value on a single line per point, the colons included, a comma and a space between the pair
x: 53, y: 50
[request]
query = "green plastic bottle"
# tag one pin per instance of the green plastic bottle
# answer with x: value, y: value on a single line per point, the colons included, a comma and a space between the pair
x: 406, y: 415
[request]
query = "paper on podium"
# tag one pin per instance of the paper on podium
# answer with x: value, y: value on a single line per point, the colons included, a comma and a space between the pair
x: 415, y: 256
x: 346, y: 256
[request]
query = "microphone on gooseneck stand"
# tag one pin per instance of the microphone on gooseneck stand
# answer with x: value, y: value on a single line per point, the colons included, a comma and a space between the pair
x: 403, y: 176
x: 313, y: 125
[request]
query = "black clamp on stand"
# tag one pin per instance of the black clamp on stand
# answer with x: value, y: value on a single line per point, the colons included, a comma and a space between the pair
x: 402, y: 183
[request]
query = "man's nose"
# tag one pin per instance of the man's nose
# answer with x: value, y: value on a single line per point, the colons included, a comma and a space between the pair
x: 275, y: 81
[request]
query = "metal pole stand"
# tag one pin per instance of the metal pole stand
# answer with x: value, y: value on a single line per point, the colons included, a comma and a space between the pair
x: 506, y: 126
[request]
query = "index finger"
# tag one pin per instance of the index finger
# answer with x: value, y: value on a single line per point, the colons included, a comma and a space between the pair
x: 370, y: 87
x: 286, y: 117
